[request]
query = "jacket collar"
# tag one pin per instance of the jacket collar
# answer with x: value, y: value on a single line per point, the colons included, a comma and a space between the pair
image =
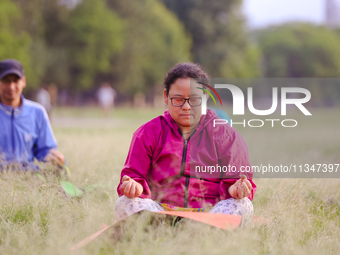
x: 9, y: 109
x: 204, y: 121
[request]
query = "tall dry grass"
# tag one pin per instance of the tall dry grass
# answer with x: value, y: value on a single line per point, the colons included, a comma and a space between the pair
x: 38, y: 218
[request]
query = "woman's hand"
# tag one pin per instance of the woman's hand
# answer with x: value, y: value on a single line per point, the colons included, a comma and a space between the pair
x: 241, y: 188
x: 130, y: 188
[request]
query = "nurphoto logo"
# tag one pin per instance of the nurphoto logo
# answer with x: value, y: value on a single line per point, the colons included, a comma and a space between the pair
x: 239, y: 104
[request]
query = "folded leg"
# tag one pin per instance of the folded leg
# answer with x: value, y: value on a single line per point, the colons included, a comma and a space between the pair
x: 127, y: 206
x: 234, y: 206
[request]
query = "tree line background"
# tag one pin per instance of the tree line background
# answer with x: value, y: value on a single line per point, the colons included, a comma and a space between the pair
x: 77, y: 45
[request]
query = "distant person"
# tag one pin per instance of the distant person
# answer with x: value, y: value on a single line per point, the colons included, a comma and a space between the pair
x: 106, y: 96
x: 63, y: 97
x: 53, y: 91
x: 25, y: 131
x: 44, y: 98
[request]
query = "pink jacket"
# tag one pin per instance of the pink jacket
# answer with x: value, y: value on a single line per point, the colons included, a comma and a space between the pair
x: 164, y: 164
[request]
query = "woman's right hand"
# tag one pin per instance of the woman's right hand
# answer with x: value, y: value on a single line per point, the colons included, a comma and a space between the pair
x: 241, y: 188
x: 130, y: 188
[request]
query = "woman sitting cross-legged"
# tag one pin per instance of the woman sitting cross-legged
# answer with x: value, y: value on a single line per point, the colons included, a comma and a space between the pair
x: 160, y: 172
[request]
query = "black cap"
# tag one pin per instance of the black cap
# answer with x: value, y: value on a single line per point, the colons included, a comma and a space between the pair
x: 11, y: 66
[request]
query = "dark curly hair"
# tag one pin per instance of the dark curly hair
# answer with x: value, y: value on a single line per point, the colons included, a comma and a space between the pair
x: 185, y: 70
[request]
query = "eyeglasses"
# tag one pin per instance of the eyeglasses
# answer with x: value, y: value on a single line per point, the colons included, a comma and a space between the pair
x: 180, y: 101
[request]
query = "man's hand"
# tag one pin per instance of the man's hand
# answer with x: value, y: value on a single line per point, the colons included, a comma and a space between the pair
x: 55, y: 157
x: 130, y: 188
x: 241, y: 188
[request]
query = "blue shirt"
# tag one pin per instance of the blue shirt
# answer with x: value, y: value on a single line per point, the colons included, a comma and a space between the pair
x: 25, y: 133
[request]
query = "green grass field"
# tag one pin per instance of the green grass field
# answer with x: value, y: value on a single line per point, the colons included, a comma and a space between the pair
x: 38, y: 218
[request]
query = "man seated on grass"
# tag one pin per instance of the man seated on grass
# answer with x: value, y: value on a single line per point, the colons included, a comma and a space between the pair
x: 25, y: 130
x: 158, y: 173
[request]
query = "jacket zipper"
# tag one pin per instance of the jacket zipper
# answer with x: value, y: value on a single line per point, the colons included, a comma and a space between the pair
x: 184, y: 156
x: 12, y: 126
x: 187, y: 179
x: 186, y: 191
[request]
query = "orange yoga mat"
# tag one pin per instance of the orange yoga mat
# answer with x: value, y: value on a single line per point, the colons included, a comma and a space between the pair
x: 223, y: 221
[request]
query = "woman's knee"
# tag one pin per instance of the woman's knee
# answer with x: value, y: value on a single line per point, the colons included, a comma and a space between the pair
x: 128, y: 206
x: 249, y: 204
x: 245, y: 204
x: 124, y: 207
x: 243, y: 207
x: 234, y: 206
x: 122, y: 201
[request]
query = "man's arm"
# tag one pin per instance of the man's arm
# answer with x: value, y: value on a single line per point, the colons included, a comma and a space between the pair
x: 45, y: 145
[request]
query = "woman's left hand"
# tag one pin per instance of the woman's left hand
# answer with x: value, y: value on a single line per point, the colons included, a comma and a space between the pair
x: 241, y: 188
